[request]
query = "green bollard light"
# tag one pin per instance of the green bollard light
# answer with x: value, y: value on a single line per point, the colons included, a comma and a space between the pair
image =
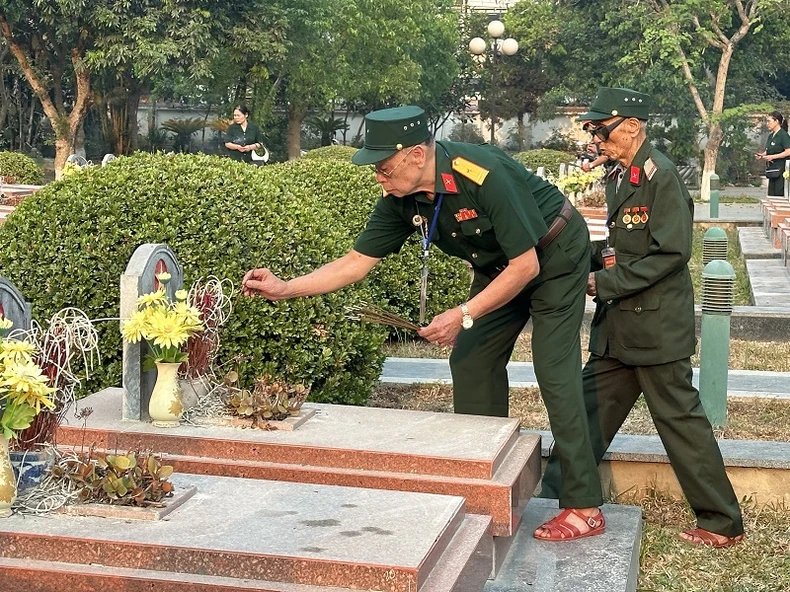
x: 714, y: 195
x: 718, y: 285
x: 714, y: 245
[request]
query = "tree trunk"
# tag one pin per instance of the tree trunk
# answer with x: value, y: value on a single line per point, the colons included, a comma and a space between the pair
x: 294, y: 134
x: 63, y: 149
x: 715, y: 137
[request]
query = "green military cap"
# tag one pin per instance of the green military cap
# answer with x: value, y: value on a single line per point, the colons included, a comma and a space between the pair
x: 389, y: 130
x: 613, y: 102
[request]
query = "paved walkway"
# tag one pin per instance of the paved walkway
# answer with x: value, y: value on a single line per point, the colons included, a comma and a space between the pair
x: 741, y: 383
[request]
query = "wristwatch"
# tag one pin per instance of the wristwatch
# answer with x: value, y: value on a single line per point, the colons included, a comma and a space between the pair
x: 467, y: 321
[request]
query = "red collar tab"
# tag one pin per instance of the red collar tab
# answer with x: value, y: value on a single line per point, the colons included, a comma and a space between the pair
x: 635, y: 174
x: 448, y: 182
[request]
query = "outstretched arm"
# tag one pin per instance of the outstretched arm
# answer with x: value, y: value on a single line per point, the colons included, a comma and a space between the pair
x: 348, y: 269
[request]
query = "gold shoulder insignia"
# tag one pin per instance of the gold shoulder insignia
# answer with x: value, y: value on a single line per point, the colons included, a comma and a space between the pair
x: 650, y: 168
x: 473, y: 172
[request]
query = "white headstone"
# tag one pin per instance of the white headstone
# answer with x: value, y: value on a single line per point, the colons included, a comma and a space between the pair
x: 138, y: 279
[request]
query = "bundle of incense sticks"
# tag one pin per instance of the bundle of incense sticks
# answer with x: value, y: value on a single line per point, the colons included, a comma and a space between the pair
x: 374, y: 314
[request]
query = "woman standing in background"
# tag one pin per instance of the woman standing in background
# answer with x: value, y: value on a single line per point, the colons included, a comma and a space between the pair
x: 777, y: 150
x: 242, y: 136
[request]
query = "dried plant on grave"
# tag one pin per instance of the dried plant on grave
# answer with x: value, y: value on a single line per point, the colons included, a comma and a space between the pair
x: 212, y: 297
x: 269, y: 400
x: 68, y: 345
x: 132, y: 479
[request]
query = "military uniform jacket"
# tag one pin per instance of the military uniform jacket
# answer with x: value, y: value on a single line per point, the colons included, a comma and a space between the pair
x: 493, y: 210
x: 645, y: 302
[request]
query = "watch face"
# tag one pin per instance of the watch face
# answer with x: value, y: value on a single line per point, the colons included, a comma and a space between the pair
x: 467, y: 323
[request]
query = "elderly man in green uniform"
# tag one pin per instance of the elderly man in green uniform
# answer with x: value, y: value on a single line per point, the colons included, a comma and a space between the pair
x: 530, y: 253
x: 642, y: 333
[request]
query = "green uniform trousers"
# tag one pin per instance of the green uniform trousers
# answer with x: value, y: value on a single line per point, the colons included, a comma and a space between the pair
x: 611, y: 389
x: 555, y: 303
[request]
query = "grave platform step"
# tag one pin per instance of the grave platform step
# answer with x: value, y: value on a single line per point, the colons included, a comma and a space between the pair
x: 339, y: 436
x: 483, y: 459
x: 311, y: 535
x: 501, y: 497
x: 608, y: 562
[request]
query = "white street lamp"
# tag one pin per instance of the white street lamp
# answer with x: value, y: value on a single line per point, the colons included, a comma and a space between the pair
x: 478, y: 46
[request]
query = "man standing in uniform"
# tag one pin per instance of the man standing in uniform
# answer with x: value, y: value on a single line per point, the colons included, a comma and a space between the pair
x: 529, y: 249
x: 642, y: 334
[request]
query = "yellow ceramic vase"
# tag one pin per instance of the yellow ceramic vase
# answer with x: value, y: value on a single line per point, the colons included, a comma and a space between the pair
x: 7, y: 480
x: 165, y: 406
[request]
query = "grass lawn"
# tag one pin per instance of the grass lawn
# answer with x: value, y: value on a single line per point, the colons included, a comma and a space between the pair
x: 739, y: 199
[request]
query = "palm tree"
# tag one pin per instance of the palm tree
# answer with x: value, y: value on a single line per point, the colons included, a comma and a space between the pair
x: 184, y: 129
x: 326, y: 126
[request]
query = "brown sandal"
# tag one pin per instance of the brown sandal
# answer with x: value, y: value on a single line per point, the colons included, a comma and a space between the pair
x: 561, y: 530
x: 709, y: 539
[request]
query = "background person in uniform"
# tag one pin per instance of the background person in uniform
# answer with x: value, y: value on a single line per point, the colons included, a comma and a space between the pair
x: 529, y: 249
x: 242, y: 136
x: 777, y: 150
x: 642, y: 334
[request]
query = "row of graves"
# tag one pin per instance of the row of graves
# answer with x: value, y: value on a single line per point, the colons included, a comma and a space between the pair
x: 330, y: 498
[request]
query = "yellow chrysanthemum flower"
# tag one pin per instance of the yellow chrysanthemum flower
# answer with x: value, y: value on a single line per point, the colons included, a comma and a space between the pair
x: 27, y: 384
x: 167, y: 331
x: 13, y: 351
x: 152, y: 298
x: 189, y: 315
x: 135, y: 328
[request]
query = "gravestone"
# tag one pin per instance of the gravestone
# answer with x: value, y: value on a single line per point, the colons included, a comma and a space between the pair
x: 13, y: 306
x: 138, y: 279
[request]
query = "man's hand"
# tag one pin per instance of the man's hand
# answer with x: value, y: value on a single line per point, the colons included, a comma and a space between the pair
x: 586, y: 167
x: 444, y: 328
x: 591, y: 291
x: 262, y: 282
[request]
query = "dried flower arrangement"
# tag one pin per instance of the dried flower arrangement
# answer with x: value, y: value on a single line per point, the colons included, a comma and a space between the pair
x: 212, y: 298
x: 67, y: 345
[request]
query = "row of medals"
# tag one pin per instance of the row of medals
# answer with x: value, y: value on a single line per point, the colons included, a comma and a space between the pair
x: 635, y: 218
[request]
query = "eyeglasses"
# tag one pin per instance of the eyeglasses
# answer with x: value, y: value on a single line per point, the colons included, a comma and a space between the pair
x: 388, y: 174
x: 602, y: 132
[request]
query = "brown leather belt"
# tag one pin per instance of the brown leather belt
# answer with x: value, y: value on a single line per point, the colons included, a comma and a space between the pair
x: 556, y: 225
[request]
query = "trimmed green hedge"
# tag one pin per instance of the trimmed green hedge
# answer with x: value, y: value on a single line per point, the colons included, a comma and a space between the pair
x: 341, y: 153
x: 69, y: 243
x: 21, y: 167
x: 550, y: 159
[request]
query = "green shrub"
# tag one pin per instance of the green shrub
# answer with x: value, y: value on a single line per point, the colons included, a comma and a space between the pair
x: 395, y: 281
x: 342, y: 153
x: 551, y: 159
x: 21, y: 167
x: 69, y: 243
